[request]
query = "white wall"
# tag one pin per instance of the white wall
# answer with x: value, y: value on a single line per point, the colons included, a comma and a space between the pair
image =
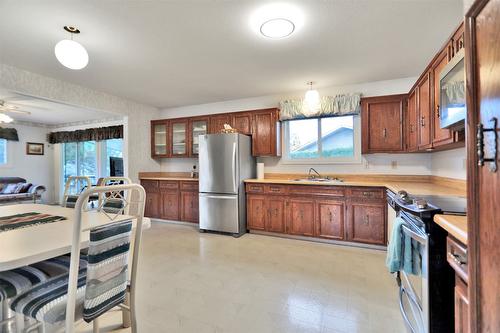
x: 376, y: 163
x: 450, y: 163
x: 35, y: 169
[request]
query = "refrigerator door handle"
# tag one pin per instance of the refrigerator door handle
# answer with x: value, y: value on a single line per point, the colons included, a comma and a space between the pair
x: 218, y: 196
x: 234, y: 167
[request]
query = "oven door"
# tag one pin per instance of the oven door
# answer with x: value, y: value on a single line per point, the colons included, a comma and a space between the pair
x: 414, y: 291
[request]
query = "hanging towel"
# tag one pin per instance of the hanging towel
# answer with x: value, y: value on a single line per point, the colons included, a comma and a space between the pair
x: 412, y: 260
x: 394, y: 260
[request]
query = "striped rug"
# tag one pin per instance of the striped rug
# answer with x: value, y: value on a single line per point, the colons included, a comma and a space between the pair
x: 24, y: 220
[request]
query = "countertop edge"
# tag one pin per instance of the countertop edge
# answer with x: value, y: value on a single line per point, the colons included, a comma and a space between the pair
x: 169, y: 178
x: 454, y: 225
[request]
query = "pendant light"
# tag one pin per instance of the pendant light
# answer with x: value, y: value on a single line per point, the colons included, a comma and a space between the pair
x: 71, y: 54
x: 311, y: 99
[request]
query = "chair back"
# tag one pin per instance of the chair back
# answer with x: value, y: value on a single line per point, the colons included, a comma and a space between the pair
x: 74, y: 186
x: 116, y: 203
x: 109, y: 249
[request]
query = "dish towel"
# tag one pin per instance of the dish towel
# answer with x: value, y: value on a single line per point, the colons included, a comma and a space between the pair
x: 403, y: 251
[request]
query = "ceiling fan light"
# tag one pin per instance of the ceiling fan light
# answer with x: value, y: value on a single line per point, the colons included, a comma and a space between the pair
x: 71, y: 54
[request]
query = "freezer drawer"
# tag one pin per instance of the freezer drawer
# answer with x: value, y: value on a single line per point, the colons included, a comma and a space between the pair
x: 219, y: 212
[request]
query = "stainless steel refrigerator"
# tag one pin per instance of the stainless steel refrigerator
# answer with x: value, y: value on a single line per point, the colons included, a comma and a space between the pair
x: 225, y: 160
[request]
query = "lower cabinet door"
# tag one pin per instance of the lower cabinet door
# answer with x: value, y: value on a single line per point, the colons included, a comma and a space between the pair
x: 256, y: 212
x: 461, y: 306
x: 170, y: 205
x: 276, y: 217
x: 366, y: 223
x: 330, y: 219
x: 301, y: 217
x: 152, y: 206
x: 189, y: 206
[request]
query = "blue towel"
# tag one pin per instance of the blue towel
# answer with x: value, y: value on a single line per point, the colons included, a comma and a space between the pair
x: 403, y: 251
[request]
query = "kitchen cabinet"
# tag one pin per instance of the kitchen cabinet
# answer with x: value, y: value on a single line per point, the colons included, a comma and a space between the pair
x: 266, y: 133
x: 424, y: 112
x: 217, y: 122
x: 456, y: 42
x: 457, y: 259
x: 179, y: 138
x: 242, y: 121
x: 189, y: 206
x: 160, y: 138
x: 482, y: 59
x: 197, y: 126
x: 318, y: 211
x: 412, y: 123
x: 170, y: 205
x: 382, y: 124
x: 366, y: 222
x: 330, y: 219
x: 461, y: 307
x: 152, y: 206
x: 440, y: 136
x: 301, y: 216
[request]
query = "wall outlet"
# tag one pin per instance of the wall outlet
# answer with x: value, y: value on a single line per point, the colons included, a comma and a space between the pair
x: 394, y: 164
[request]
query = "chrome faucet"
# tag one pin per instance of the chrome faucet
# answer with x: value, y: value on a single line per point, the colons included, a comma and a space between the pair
x: 313, y: 176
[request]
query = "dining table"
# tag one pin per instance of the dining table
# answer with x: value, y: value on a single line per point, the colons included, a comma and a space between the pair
x: 34, y: 243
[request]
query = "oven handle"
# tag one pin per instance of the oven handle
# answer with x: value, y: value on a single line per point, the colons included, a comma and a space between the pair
x: 403, y: 311
x: 419, y: 238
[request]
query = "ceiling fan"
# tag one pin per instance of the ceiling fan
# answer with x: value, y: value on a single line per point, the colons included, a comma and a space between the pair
x: 10, y: 108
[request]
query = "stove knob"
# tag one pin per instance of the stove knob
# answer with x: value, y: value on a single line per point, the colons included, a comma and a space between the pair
x: 421, y: 204
x: 403, y: 194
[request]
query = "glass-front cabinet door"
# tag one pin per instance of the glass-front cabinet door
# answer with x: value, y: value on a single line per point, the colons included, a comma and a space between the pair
x: 159, y: 138
x: 179, y: 138
x: 198, y: 126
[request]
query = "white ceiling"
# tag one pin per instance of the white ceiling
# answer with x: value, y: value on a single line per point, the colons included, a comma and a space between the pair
x: 172, y: 53
x: 42, y: 111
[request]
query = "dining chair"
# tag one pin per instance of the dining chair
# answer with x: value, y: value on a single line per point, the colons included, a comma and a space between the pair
x: 117, y: 203
x: 92, y: 289
x: 74, y: 186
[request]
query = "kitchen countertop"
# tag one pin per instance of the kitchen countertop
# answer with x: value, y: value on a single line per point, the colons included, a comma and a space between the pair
x: 454, y: 225
x: 413, y: 185
x: 171, y: 178
x: 176, y: 176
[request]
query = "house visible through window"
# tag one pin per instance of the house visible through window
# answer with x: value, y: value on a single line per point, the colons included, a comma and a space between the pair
x: 3, y: 151
x: 327, y: 139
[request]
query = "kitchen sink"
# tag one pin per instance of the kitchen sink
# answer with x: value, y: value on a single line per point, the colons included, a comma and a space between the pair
x: 319, y: 180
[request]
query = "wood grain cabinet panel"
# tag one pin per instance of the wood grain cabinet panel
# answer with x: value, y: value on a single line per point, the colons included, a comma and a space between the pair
x: 330, y: 219
x: 170, y: 205
x: 462, y: 323
x: 189, y: 206
x: 424, y: 112
x: 382, y: 124
x: 160, y: 139
x: 152, y: 206
x: 242, y: 121
x: 266, y: 133
x: 276, y: 215
x: 412, y: 123
x: 300, y: 216
x: 217, y: 122
x: 366, y: 222
x: 256, y: 212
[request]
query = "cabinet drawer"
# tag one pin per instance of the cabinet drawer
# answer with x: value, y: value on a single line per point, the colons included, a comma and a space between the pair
x: 317, y: 190
x: 169, y: 185
x: 275, y: 189
x: 456, y: 254
x: 368, y: 193
x: 189, y: 186
x: 255, y: 188
x: 150, y: 185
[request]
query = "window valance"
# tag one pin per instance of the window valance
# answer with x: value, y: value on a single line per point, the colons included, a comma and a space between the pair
x: 90, y: 134
x: 9, y: 134
x: 329, y: 106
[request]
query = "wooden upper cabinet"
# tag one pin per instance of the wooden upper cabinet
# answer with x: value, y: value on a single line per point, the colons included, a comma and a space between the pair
x: 456, y: 42
x: 217, y: 122
x: 440, y: 136
x: 179, y: 138
x: 424, y: 118
x: 266, y: 133
x: 197, y: 126
x: 242, y: 121
x: 160, y: 138
x: 382, y: 124
x: 412, y: 123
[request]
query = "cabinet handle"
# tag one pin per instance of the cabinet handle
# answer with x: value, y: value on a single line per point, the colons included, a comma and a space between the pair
x: 366, y: 220
x: 411, y: 128
x: 422, y: 121
x: 301, y: 214
x: 331, y: 215
x: 493, y: 145
x: 384, y: 133
x: 457, y: 259
x: 438, y: 113
x: 367, y: 194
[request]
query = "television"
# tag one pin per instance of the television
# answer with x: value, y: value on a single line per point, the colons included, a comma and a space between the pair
x: 116, y: 166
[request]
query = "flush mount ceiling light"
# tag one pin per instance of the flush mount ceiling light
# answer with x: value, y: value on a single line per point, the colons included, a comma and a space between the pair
x: 311, y: 98
x: 71, y: 54
x: 5, y: 118
x: 276, y: 21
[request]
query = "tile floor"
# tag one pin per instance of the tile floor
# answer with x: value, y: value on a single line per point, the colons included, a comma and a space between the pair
x: 192, y: 282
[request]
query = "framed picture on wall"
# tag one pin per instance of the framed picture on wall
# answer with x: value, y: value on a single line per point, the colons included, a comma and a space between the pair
x: 33, y: 148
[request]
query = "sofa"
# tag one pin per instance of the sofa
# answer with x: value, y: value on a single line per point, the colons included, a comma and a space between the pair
x: 17, y: 189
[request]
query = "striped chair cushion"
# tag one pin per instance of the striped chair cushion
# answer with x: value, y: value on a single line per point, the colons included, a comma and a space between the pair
x: 18, y: 280
x: 113, y: 206
x: 71, y: 201
x: 107, y: 268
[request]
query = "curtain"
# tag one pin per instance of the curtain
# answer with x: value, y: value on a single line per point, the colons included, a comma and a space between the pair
x: 339, y: 105
x: 90, y: 134
x: 8, y: 134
